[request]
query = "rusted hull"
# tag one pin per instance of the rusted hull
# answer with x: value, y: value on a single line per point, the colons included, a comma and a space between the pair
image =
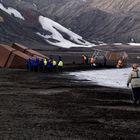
x: 31, y: 52
x: 15, y: 56
x: 19, y: 47
x: 17, y: 60
x: 5, y: 52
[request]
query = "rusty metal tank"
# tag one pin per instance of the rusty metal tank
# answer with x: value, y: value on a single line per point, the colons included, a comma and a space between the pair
x: 15, y: 56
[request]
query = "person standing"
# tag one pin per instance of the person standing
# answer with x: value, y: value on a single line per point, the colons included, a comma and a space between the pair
x: 45, y: 64
x: 60, y: 64
x: 54, y: 65
x: 92, y: 61
x: 37, y: 65
x: 41, y: 65
x: 120, y: 64
x: 87, y: 60
x: 134, y: 79
x: 28, y: 64
x: 105, y: 60
x: 50, y: 65
x: 83, y: 59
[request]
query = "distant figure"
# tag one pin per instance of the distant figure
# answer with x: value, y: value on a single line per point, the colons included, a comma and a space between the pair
x: 92, y: 61
x: 83, y: 59
x: 45, y: 64
x: 28, y: 64
x: 86, y: 60
x: 134, y: 79
x: 60, y: 65
x: 132, y: 40
x: 32, y: 64
x: 37, y: 64
x: 105, y: 61
x: 59, y: 58
x: 120, y: 64
x: 54, y: 65
x: 41, y: 65
x: 50, y: 65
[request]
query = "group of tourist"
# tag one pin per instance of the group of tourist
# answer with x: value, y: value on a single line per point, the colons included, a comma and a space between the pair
x: 133, y: 79
x: 91, y: 61
x: 45, y: 65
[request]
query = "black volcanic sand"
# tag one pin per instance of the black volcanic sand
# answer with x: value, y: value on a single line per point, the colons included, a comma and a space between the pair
x: 48, y: 106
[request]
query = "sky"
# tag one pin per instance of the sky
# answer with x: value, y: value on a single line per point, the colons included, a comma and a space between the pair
x: 105, y: 77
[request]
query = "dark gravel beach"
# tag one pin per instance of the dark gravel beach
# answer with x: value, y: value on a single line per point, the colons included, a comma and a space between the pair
x: 56, y: 106
x: 48, y: 106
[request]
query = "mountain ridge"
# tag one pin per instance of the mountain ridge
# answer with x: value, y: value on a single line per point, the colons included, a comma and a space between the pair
x: 24, y: 25
x: 108, y: 21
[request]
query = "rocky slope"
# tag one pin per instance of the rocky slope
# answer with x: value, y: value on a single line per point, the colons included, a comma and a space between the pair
x: 13, y: 29
x: 27, y: 25
x: 104, y: 20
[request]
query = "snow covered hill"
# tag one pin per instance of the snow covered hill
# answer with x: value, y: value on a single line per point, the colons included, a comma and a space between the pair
x: 109, y: 21
x: 39, y: 27
x: 105, y: 20
x: 57, y: 32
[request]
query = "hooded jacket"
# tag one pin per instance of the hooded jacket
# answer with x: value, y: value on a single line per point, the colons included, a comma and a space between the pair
x: 134, y: 78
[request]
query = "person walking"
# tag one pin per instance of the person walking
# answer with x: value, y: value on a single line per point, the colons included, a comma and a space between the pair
x: 134, y: 79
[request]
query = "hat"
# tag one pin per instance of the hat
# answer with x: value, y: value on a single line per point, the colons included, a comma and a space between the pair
x: 135, y: 66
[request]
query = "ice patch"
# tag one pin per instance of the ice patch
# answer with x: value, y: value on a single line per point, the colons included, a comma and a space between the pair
x: 134, y: 44
x: 105, y: 77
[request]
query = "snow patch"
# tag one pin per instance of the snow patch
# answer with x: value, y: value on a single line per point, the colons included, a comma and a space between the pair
x: 56, y: 29
x: 105, y: 77
x: 134, y: 44
x: 117, y: 44
x: 11, y: 11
